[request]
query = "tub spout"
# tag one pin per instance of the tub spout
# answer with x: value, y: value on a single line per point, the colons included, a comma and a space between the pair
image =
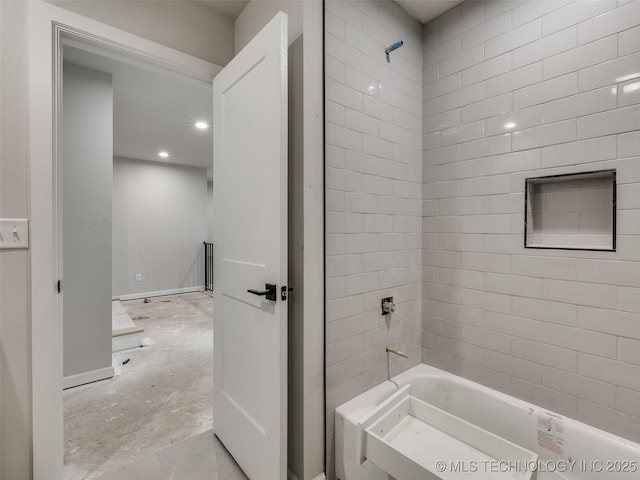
x: 395, y: 352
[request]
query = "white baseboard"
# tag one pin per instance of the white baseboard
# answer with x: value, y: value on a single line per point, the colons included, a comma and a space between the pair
x: 87, y: 377
x: 160, y: 293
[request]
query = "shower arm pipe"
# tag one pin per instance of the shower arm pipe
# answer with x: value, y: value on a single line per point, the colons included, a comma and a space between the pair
x: 393, y: 47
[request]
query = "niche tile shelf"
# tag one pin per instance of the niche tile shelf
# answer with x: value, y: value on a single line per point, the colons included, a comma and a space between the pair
x: 575, y: 211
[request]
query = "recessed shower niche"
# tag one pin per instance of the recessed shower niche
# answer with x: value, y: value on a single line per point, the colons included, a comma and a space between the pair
x: 573, y: 211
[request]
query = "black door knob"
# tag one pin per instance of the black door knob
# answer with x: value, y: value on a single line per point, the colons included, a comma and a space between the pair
x: 269, y: 292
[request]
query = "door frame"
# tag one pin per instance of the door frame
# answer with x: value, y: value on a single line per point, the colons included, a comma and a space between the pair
x: 49, y: 28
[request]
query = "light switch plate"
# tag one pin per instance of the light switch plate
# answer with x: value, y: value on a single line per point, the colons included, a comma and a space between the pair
x: 14, y: 233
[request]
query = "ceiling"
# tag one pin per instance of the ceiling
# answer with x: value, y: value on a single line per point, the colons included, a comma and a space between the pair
x: 229, y: 8
x: 155, y: 110
x: 421, y: 10
x: 425, y: 10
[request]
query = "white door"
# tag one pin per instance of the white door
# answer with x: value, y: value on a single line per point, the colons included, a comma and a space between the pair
x: 250, y: 222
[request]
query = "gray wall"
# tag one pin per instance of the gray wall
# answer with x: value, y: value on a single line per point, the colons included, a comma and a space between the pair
x: 188, y: 26
x: 373, y: 196
x: 159, y: 224
x: 15, y: 296
x: 87, y: 170
x: 256, y: 14
x: 15, y: 339
x: 516, y: 90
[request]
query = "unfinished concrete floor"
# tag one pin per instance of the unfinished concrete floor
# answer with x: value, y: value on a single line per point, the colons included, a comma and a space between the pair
x: 162, y: 397
x: 202, y: 457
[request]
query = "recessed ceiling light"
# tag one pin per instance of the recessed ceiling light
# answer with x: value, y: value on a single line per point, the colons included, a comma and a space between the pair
x: 202, y: 125
x: 163, y: 154
x: 509, y: 125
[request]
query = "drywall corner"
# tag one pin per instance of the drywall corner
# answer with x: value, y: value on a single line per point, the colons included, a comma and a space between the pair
x: 256, y: 14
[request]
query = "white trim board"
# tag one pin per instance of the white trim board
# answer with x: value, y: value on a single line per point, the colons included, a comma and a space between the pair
x: 125, y: 342
x: 160, y: 293
x: 87, y: 377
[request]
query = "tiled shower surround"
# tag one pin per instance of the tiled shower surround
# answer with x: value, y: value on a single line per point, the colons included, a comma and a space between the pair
x: 490, y: 93
x: 373, y: 196
x: 514, y: 90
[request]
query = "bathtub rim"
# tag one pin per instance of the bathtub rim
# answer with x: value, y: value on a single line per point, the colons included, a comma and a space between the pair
x: 357, y: 408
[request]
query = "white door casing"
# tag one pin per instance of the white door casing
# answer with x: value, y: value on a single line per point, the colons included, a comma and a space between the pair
x: 250, y: 222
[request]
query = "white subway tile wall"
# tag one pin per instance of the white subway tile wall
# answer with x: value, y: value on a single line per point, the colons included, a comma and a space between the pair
x: 489, y: 93
x: 558, y: 92
x: 374, y: 129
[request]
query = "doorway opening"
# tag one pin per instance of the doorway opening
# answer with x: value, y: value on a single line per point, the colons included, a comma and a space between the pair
x: 138, y: 330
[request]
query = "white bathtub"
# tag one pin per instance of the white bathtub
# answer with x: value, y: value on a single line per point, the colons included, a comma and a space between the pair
x: 573, y: 451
